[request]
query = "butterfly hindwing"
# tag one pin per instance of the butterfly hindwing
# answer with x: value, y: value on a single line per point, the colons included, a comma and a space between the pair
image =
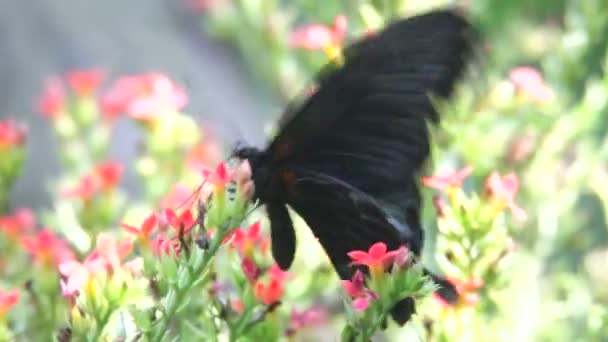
x: 282, y: 234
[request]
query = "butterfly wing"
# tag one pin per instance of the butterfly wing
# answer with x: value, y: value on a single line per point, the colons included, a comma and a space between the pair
x: 366, y: 125
x: 342, y: 217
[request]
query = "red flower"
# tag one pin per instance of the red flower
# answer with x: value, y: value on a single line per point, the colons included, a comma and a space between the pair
x: 84, y: 82
x: 530, y: 83
x: 316, y: 37
x: 52, y: 102
x: 377, y: 258
x: 20, y: 222
x: 182, y: 223
x: 246, y: 241
x: 447, y: 181
x: 48, y: 249
x: 357, y: 290
x: 109, y: 174
x: 143, y: 232
x: 252, y: 272
x: 220, y: 177
x: 502, y: 191
x: 269, y: 293
x: 106, y: 176
x: 11, y: 134
x: 8, y: 299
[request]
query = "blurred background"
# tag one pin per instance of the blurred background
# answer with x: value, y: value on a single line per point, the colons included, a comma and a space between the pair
x: 535, y: 105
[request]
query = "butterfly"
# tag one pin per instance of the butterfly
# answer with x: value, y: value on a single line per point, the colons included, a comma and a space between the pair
x: 347, y: 158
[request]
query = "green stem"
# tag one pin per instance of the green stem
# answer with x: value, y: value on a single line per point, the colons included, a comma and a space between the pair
x: 163, y: 323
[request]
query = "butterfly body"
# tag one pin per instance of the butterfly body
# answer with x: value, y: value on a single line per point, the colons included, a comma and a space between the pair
x: 347, y: 158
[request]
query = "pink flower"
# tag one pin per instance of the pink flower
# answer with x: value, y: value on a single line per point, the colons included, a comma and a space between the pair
x: 143, y: 231
x: 180, y: 195
x: 111, y: 251
x: 317, y: 37
x: 84, y: 82
x: 530, y: 83
x: 20, y: 222
x: 306, y: 318
x: 377, y: 258
x: 8, y: 299
x: 502, y: 191
x: 144, y: 97
x: 11, y: 135
x: 162, y: 246
x: 48, y: 249
x: 250, y: 269
x: 52, y: 101
x: 357, y: 290
x: 86, y: 188
x: 220, y: 177
x: 449, y: 180
x: 78, y: 275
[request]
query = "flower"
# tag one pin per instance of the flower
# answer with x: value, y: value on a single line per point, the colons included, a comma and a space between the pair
x: 403, y: 257
x: 448, y: 181
x: 531, y: 85
x: 269, y: 293
x: 11, y: 134
x: 305, y: 318
x: 206, y: 152
x: 47, y: 248
x: 317, y: 37
x: 220, y: 177
x: 144, y: 97
x: 182, y: 223
x: 163, y: 246
x: 376, y: 258
x: 250, y: 269
x: 502, y: 191
x: 111, y: 251
x: 52, y: 102
x: 8, y: 299
x: 237, y: 306
x: 105, y: 259
x: 467, y: 293
x: 246, y: 241
x: 85, y: 189
x: 109, y: 174
x: 242, y: 175
x: 84, y: 82
x: 105, y: 176
x: 20, y: 222
x: 78, y: 275
x: 357, y: 290
x: 178, y: 196
x: 143, y: 231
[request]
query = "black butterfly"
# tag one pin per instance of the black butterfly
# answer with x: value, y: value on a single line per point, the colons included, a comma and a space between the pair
x: 347, y: 158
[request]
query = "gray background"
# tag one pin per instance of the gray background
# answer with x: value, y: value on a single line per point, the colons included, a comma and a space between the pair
x: 40, y: 38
